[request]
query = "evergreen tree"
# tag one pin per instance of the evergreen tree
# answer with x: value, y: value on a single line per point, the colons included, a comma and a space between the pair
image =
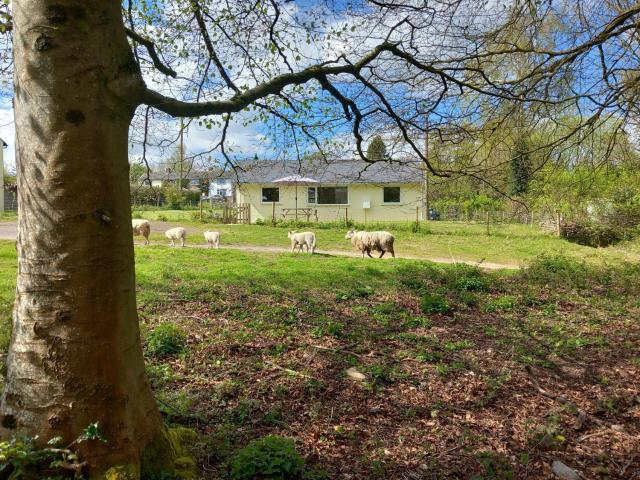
x: 520, y: 167
x: 377, y: 150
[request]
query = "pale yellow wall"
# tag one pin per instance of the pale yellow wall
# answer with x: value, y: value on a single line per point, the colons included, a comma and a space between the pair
x: 1, y: 178
x: 410, y: 198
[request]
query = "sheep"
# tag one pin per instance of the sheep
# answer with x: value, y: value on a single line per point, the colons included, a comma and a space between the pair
x: 212, y: 238
x: 177, y: 233
x: 302, y: 239
x: 367, y: 241
x: 141, y: 227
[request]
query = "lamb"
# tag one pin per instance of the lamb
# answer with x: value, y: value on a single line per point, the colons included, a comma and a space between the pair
x: 141, y: 227
x: 302, y: 239
x: 177, y: 233
x: 212, y: 238
x: 367, y: 241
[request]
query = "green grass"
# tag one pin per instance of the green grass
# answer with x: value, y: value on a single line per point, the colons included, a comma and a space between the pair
x: 264, y: 341
x: 8, y: 216
x: 507, y: 244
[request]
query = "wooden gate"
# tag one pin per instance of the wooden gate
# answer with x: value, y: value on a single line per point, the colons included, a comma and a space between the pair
x: 237, y: 213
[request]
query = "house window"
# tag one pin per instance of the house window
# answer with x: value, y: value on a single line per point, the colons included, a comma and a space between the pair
x: 332, y: 195
x: 311, y: 195
x: 391, y: 195
x: 270, y: 194
x: 222, y: 192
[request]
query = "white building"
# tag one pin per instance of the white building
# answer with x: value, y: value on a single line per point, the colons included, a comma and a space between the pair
x: 221, y: 187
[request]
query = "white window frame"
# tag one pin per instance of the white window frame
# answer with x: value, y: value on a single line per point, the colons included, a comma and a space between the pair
x: 268, y: 202
x: 392, y: 203
x: 328, y: 204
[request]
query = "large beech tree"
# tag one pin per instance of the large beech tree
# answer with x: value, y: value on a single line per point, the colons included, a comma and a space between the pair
x: 82, y: 69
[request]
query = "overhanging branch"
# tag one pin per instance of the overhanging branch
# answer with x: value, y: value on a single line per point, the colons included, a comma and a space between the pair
x: 151, y: 48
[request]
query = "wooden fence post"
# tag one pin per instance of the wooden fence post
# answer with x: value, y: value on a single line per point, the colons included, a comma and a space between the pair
x: 558, y: 221
x: 488, y: 222
x: 273, y: 214
x: 346, y: 216
x: 200, y: 208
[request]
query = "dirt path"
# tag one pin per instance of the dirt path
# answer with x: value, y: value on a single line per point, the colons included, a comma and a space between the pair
x: 9, y: 231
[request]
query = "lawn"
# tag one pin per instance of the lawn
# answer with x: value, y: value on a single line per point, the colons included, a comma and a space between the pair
x: 8, y: 216
x: 507, y: 243
x: 450, y: 357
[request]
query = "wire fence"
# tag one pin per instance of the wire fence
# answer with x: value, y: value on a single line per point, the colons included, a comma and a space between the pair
x: 10, y: 199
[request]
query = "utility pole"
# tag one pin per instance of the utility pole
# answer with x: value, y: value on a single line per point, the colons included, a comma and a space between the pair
x: 426, y: 172
x: 181, y: 154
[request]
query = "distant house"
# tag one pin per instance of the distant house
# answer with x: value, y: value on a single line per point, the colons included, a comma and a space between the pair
x: 210, y: 182
x: 353, y: 189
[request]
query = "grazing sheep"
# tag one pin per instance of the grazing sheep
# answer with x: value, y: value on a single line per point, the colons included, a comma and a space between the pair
x: 302, y: 239
x: 368, y: 241
x: 141, y: 227
x: 177, y: 233
x: 212, y: 238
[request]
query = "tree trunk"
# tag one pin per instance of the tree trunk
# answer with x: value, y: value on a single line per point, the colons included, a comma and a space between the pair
x: 75, y: 356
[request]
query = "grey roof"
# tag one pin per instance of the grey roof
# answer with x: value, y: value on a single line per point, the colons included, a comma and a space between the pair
x: 331, y: 172
x: 174, y: 175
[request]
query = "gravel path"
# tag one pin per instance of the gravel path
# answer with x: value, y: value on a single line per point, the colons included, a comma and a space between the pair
x: 9, y: 231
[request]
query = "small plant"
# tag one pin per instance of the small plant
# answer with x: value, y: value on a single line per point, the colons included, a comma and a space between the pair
x: 167, y: 339
x: 21, y: 457
x: 460, y: 345
x: 412, y: 283
x: 474, y: 283
x: 159, y: 375
x: 334, y: 329
x: 358, y: 292
x: 270, y: 457
x: 496, y: 467
x: 503, y: 303
x: 468, y: 299
x: 414, y: 322
x: 387, y: 308
x: 431, y: 303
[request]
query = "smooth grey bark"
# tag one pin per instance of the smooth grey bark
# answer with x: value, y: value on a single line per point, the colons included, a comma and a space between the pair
x: 75, y: 356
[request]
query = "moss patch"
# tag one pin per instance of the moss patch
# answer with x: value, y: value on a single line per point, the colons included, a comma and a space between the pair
x: 129, y: 472
x: 169, y: 455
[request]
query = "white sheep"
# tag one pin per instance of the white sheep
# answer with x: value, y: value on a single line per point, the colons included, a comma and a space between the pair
x: 302, y: 239
x: 177, y: 233
x: 212, y: 238
x: 141, y: 227
x: 368, y: 241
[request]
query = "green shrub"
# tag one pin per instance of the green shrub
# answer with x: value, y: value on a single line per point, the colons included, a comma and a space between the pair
x: 593, y: 234
x: 557, y: 270
x: 431, y: 303
x: 167, y: 339
x: 472, y: 283
x: 503, y: 303
x: 269, y: 458
x: 469, y: 299
x: 357, y: 292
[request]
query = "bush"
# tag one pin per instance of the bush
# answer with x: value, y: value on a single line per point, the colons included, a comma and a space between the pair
x: 503, y: 303
x: 434, y: 304
x: 472, y: 283
x: 145, y: 195
x: 270, y: 457
x: 593, y: 234
x: 167, y: 339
